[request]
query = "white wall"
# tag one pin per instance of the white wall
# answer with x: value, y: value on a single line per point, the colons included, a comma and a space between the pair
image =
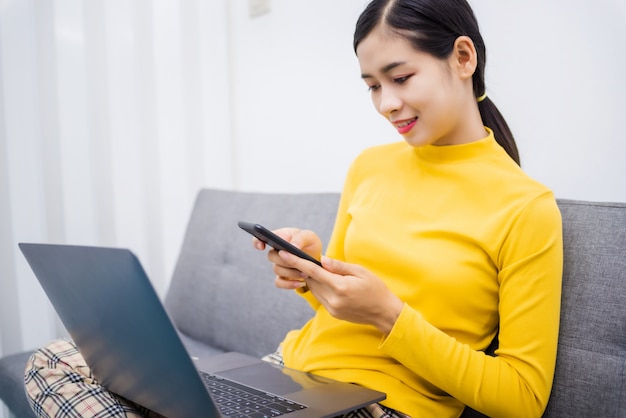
x: 557, y: 73
x: 302, y: 110
x: 554, y: 69
x: 114, y: 112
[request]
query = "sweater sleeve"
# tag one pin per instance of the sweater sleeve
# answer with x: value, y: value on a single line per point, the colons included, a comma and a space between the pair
x: 518, y: 380
x: 336, y: 244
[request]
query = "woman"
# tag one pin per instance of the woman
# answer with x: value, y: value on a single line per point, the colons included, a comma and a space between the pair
x: 441, y: 242
x: 441, y: 245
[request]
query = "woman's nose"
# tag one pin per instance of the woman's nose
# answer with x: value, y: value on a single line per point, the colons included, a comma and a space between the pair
x: 388, y: 102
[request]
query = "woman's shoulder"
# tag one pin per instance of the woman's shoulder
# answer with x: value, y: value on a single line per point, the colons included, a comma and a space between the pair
x: 375, y: 160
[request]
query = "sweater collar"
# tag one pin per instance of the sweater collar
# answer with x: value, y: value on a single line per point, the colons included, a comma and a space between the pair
x: 454, y: 153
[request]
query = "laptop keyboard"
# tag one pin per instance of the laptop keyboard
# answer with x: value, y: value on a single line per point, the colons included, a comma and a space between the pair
x: 239, y: 401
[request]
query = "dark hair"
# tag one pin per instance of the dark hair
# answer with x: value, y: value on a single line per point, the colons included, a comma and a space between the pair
x: 432, y: 26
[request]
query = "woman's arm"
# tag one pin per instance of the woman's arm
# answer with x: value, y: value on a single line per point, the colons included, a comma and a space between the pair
x: 517, y: 382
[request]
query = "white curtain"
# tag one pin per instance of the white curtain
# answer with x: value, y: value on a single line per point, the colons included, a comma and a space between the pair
x: 113, y: 113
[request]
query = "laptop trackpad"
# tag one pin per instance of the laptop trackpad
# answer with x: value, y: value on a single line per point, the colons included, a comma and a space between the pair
x: 269, y: 378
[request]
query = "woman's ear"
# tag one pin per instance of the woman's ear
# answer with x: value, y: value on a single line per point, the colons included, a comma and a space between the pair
x: 464, y: 57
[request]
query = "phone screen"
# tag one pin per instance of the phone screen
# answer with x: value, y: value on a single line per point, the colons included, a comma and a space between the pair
x: 274, y: 240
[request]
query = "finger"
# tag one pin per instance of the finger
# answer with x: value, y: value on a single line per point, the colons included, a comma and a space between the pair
x: 258, y: 244
x: 286, y: 233
x: 284, y: 283
x: 305, y: 239
x: 273, y: 257
x: 281, y: 268
x: 341, y: 267
x: 288, y: 273
x: 305, y: 267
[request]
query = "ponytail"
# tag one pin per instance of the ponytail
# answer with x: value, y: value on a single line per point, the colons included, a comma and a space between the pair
x: 492, y: 118
x: 432, y: 26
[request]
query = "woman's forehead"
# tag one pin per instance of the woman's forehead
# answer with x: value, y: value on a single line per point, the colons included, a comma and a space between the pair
x: 380, y: 48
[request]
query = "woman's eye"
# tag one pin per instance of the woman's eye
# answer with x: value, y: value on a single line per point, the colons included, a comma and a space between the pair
x: 373, y: 87
x: 401, y: 80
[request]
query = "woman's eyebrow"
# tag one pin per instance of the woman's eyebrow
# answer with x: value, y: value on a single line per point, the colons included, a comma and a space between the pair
x: 385, y: 69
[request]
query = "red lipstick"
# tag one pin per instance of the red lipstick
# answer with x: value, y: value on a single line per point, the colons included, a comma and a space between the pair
x: 405, y: 125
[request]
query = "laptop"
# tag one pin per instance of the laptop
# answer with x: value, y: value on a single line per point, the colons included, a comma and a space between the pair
x: 113, y: 314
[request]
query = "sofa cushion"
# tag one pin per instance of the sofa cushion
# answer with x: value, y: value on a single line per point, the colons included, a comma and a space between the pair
x: 222, y: 291
x: 217, y: 310
x: 590, y: 377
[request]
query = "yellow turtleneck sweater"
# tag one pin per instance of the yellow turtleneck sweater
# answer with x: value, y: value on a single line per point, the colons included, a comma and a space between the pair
x: 472, y: 245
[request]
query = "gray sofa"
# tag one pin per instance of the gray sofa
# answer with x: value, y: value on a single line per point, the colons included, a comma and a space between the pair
x: 222, y: 296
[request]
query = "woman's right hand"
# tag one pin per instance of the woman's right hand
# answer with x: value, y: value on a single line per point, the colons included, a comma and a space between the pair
x: 308, y: 241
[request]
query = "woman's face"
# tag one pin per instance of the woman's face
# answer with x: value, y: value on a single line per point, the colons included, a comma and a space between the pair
x: 423, y: 97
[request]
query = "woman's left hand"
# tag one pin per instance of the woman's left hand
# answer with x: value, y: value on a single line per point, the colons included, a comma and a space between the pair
x: 349, y: 292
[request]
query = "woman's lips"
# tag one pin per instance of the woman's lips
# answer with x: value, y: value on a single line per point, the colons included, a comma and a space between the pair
x: 405, y: 125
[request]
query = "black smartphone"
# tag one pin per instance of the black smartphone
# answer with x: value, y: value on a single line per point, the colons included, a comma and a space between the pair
x: 274, y: 240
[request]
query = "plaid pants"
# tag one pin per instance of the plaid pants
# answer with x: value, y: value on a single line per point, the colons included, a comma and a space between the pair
x: 59, y: 384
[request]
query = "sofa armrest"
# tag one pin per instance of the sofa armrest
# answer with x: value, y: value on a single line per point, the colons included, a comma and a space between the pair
x: 12, y: 384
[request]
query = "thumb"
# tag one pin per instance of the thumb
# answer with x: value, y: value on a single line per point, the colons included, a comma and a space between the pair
x: 340, y: 267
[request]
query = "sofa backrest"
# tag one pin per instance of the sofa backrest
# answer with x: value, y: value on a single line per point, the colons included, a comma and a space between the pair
x: 222, y: 291
x: 220, y: 283
x: 590, y: 379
